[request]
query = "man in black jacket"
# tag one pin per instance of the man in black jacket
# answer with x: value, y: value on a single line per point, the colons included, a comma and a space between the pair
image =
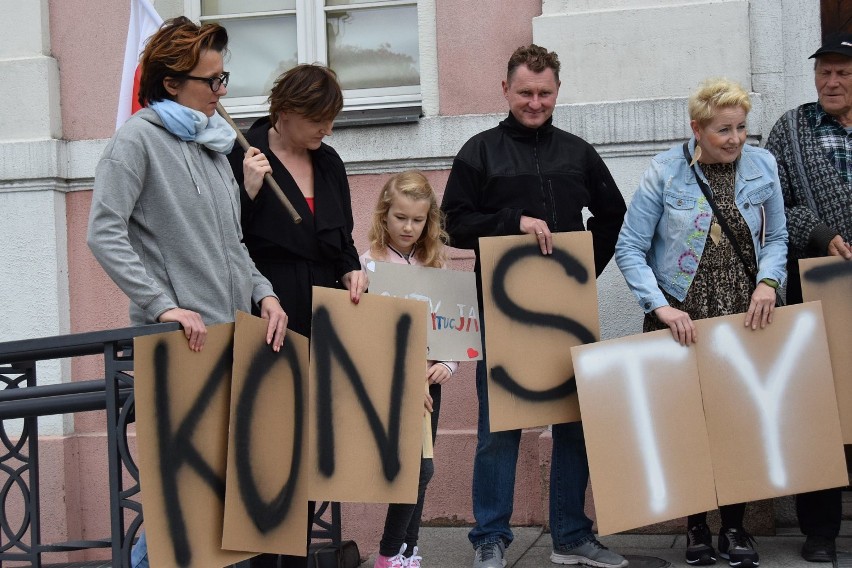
x: 527, y: 176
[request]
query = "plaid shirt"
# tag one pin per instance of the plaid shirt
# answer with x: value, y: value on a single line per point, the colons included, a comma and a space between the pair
x: 813, y: 217
x: 835, y: 140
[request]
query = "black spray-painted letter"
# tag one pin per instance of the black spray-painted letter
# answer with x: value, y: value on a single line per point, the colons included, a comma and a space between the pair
x: 327, y: 346
x: 505, y: 304
x: 175, y: 445
x: 267, y: 515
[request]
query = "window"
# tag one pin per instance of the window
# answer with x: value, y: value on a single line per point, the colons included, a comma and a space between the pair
x: 373, y: 46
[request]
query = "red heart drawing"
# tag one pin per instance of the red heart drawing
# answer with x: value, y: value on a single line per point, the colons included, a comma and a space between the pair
x: 471, y: 352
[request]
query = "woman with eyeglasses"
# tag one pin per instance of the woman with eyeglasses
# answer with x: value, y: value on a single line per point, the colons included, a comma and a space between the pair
x: 164, y: 220
x: 319, y: 251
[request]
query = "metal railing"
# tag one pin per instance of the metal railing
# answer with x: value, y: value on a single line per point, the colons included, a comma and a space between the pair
x: 21, y: 398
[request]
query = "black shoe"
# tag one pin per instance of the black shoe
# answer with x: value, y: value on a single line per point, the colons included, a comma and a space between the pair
x: 819, y: 549
x: 737, y: 547
x: 699, y: 546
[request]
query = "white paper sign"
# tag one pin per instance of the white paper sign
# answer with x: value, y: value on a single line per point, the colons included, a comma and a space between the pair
x: 453, y: 321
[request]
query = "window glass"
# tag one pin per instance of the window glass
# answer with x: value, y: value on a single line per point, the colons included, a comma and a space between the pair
x: 347, y: 2
x: 259, y: 49
x: 224, y: 7
x: 374, y: 47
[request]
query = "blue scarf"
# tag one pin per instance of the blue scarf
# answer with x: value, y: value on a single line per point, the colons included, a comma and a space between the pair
x: 192, y: 125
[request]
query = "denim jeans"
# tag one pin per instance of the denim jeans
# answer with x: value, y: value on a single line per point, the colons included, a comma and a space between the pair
x: 139, y: 553
x: 494, y: 480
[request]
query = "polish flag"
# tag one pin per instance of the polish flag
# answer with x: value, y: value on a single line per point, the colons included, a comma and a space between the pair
x: 144, y: 22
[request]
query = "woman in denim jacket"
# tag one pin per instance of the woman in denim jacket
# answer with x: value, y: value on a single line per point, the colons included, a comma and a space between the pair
x: 681, y: 266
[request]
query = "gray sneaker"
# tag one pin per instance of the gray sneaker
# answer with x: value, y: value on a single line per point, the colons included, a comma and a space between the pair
x: 591, y: 553
x: 489, y: 555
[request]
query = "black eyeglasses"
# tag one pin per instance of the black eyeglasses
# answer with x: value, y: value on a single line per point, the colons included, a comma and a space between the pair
x: 214, y: 82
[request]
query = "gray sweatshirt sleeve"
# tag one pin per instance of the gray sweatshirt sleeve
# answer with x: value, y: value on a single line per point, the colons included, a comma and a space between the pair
x: 116, y: 192
x: 261, y: 287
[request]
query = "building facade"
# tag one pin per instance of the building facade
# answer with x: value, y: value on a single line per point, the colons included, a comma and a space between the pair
x: 420, y: 78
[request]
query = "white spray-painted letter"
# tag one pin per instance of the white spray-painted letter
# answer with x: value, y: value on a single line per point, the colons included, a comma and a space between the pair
x: 632, y: 358
x: 767, y: 394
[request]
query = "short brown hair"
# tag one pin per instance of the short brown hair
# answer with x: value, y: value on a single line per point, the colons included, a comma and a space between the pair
x: 174, y: 50
x: 536, y: 58
x: 309, y: 90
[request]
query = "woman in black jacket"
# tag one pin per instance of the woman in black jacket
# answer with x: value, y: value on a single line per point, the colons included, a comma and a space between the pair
x: 319, y: 251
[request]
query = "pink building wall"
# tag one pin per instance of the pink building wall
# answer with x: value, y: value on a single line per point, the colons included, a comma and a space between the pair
x: 87, y: 39
x: 89, y: 93
x: 474, y: 44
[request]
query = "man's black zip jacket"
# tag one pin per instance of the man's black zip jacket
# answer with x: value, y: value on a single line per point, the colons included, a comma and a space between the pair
x: 511, y: 170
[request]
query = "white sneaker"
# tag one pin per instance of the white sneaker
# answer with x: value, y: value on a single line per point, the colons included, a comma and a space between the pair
x: 397, y: 561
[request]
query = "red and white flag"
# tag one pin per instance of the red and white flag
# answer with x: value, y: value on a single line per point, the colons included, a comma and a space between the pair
x: 144, y: 22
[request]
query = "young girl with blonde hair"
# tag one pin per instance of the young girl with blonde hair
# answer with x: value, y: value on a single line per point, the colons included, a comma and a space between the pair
x: 407, y: 228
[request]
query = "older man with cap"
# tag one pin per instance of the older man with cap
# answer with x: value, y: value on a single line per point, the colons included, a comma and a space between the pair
x: 813, y: 146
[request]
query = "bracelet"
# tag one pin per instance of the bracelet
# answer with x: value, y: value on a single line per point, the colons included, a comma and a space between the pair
x: 771, y: 283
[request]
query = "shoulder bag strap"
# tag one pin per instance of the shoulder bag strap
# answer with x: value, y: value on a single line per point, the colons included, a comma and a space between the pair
x: 719, y: 217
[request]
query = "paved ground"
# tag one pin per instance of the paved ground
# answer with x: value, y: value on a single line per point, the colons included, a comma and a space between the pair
x: 449, y: 548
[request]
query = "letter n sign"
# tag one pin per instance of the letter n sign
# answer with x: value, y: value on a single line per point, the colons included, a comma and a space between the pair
x: 367, y: 371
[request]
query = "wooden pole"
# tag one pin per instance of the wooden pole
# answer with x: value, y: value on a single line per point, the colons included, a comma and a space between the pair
x: 270, y: 181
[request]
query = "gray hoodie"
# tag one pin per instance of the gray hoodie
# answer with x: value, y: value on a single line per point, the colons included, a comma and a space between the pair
x: 165, y: 225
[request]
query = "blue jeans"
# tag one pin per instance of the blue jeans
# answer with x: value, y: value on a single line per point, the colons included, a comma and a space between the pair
x: 494, y: 480
x: 139, y: 553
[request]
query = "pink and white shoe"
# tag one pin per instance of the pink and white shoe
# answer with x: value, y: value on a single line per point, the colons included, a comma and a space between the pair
x: 398, y: 561
x: 414, y: 559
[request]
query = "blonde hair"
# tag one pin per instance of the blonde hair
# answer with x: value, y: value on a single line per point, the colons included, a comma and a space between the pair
x: 429, y: 248
x: 714, y: 94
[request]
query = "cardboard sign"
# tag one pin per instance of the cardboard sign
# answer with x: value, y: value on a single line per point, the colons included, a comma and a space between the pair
x: 536, y: 307
x: 647, y: 443
x: 428, y: 442
x: 182, y: 401
x: 829, y: 279
x: 266, y: 499
x: 453, y: 320
x: 766, y: 397
x: 368, y: 364
x: 784, y: 420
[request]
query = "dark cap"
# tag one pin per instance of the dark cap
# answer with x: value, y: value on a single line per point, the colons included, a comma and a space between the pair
x: 835, y: 43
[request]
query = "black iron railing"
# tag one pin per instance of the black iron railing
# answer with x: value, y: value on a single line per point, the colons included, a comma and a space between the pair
x: 21, y: 398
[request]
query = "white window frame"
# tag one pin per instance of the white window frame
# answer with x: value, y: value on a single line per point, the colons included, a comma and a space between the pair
x: 312, y: 44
